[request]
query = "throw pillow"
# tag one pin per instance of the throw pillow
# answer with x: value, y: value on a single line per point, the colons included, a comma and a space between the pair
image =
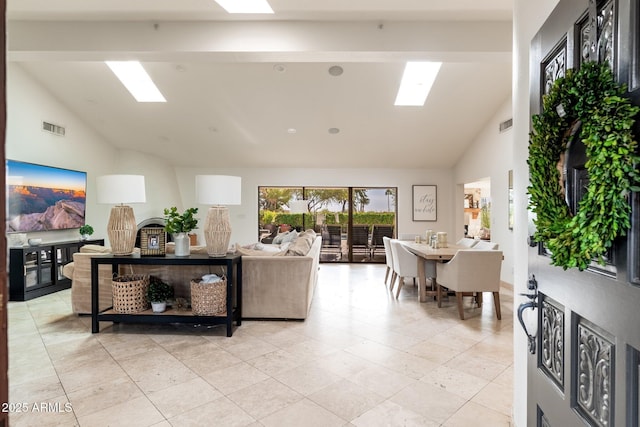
x: 267, y: 248
x: 97, y: 249
x: 280, y: 237
x: 255, y: 252
x: 293, y: 235
x: 300, y: 247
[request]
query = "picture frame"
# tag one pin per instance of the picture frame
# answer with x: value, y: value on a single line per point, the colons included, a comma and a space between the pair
x: 153, y: 241
x: 425, y: 203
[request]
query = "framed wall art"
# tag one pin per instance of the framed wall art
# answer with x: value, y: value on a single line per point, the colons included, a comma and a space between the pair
x: 425, y: 203
x: 152, y: 241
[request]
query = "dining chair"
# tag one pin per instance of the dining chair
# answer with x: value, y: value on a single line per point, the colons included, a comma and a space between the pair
x: 408, y: 236
x: 386, y: 241
x: 484, y: 245
x: 405, y: 264
x: 471, y: 272
x: 467, y: 242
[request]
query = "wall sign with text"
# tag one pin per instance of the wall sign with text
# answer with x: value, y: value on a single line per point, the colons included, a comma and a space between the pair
x: 425, y: 203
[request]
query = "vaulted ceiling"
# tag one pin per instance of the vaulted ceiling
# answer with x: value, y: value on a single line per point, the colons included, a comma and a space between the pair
x: 255, y: 90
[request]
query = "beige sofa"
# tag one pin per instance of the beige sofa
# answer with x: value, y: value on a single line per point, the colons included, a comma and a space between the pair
x: 275, y: 285
x: 280, y: 286
x: 79, y: 271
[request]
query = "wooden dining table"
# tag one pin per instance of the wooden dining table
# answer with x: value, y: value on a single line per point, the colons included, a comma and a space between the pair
x: 429, y: 254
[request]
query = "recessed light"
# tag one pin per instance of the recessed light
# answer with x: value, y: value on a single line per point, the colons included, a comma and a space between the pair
x: 245, y: 6
x: 416, y: 83
x: 292, y: 130
x: 334, y: 131
x: 336, y: 70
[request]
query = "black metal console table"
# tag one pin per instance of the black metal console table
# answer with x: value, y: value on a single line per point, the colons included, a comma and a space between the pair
x: 234, y: 283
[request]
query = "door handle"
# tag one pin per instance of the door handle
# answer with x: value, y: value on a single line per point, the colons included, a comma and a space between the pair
x: 530, y: 326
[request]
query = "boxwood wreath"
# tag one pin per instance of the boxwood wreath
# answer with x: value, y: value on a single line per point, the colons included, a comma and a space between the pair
x: 591, y: 99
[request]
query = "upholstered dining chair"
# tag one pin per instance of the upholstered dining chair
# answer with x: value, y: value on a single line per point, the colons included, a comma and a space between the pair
x: 386, y: 241
x: 467, y: 242
x: 471, y: 272
x: 484, y: 245
x: 405, y: 264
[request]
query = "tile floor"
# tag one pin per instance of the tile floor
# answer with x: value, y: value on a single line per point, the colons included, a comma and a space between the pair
x: 362, y: 358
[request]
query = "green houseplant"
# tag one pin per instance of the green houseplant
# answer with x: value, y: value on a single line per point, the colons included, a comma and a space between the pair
x: 158, y: 293
x: 85, y: 231
x: 179, y: 224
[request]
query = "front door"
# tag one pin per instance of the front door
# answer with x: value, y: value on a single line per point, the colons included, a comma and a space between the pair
x: 586, y: 365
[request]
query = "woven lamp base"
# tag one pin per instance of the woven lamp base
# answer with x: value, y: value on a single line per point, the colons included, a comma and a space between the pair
x: 217, y: 231
x: 122, y: 230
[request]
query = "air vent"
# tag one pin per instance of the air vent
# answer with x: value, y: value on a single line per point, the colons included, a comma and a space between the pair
x: 54, y: 129
x: 507, y: 124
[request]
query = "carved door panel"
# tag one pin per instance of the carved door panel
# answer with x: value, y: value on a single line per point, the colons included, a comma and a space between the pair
x: 585, y: 368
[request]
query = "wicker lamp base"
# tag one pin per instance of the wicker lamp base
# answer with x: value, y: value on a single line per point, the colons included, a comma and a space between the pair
x: 217, y: 231
x: 122, y: 230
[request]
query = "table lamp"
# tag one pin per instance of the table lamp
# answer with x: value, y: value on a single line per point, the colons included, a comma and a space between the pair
x: 299, y: 207
x: 121, y: 189
x: 218, y: 190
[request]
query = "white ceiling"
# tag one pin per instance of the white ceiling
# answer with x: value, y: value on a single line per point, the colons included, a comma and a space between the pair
x: 235, y: 84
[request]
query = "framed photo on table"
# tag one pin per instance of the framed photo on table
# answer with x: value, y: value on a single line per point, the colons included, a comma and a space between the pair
x: 152, y: 241
x: 425, y: 203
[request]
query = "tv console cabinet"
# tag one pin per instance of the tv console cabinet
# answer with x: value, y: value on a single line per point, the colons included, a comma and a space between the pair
x: 233, y: 267
x: 37, y: 270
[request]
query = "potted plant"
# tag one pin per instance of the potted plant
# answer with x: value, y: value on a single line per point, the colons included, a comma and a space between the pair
x: 179, y: 225
x: 85, y: 231
x: 158, y: 293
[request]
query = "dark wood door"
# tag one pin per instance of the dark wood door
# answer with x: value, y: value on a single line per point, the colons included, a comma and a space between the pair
x: 585, y: 368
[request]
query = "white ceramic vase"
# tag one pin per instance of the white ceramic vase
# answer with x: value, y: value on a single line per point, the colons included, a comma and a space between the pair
x: 182, y: 244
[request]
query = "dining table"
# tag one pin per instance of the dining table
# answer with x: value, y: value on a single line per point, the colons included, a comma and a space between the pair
x: 425, y: 252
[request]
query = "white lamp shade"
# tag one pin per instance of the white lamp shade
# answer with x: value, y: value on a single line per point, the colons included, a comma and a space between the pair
x: 219, y: 189
x: 115, y: 189
x: 299, y: 206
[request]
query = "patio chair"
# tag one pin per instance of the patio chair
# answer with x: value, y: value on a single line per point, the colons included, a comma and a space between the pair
x: 360, y: 239
x: 332, y: 239
x: 378, y: 232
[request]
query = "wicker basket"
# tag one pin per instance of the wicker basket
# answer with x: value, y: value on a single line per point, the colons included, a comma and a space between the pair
x: 209, y: 299
x: 130, y: 293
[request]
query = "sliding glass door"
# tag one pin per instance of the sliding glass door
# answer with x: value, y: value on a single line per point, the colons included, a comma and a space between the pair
x: 352, y: 220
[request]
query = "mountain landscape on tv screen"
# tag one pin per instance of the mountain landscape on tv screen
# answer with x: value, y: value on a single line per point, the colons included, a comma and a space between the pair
x: 33, y: 208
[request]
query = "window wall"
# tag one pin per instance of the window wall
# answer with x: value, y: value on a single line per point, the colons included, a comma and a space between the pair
x: 351, y: 220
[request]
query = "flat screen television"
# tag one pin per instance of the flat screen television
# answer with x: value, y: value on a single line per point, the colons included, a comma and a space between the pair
x: 44, y: 198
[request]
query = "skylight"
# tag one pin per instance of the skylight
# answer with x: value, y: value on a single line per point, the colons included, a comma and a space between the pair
x: 245, y: 6
x: 416, y: 83
x: 134, y: 77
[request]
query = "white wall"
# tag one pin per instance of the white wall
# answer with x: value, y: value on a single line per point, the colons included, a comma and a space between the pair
x: 244, y: 218
x: 28, y: 104
x: 490, y: 155
x: 528, y: 17
x: 82, y: 149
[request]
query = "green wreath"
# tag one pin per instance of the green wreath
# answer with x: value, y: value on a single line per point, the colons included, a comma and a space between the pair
x: 591, y: 99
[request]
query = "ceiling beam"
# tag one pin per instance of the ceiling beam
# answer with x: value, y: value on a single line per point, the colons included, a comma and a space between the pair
x: 254, y: 41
